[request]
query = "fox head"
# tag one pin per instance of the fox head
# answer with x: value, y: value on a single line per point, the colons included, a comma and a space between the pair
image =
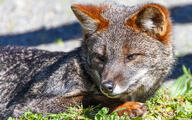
x: 127, y: 49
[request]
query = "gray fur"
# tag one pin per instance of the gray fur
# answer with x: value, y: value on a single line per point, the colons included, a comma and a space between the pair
x: 36, y: 79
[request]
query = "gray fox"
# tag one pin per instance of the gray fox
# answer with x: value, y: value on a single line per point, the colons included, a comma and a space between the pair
x: 126, y: 53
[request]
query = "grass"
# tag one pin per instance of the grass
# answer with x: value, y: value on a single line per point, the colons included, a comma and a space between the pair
x: 173, y: 103
x: 60, y: 41
x: 2, y: 1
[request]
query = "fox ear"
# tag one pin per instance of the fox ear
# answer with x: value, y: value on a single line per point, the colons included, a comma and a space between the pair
x: 154, y: 20
x: 90, y: 17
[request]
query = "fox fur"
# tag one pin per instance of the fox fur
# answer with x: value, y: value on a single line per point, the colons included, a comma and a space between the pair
x: 126, y: 53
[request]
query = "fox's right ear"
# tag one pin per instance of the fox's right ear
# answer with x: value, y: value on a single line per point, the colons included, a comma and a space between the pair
x: 154, y: 20
x: 90, y: 17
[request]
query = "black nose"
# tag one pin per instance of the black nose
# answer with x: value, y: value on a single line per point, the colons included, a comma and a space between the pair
x: 108, y: 86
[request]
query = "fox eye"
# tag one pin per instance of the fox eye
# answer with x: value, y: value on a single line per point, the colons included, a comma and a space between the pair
x: 98, y: 62
x: 100, y: 59
x: 131, y: 57
x: 97, y: 58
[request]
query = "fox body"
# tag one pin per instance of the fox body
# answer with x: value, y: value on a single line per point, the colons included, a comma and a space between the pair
x: 39, y: 80
x: 125, y: 54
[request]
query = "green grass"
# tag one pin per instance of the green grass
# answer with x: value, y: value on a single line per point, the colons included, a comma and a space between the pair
x: 59, y: 41
x: 2, y: 1
x: 173, y: 103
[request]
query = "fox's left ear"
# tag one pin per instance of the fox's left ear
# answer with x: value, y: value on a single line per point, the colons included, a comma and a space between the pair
x: 90, y: 17
x: 154, y: 20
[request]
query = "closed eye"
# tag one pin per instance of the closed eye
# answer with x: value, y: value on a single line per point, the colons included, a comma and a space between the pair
x: 131, y: 57
x: 99, y: 62
x: 99, y: 58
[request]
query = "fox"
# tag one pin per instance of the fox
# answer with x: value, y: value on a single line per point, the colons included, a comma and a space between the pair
x: 125, y: 54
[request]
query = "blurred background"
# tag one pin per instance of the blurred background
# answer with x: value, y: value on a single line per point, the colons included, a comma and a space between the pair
x: 51, y: 25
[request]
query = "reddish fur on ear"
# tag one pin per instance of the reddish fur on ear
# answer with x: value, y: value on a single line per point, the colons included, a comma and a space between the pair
x: 164, y: 35
x: 93, y: 12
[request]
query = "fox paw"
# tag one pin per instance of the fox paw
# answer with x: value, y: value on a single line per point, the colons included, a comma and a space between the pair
x: 132, y: 109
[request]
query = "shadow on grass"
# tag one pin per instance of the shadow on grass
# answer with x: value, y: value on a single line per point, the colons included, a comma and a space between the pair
x: 43, y: 36
x: 181, y: 14
x: 180, y: 61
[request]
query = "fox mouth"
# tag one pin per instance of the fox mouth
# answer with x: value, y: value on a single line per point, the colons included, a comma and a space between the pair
x: 109, y: 94
x: 115, y: 95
